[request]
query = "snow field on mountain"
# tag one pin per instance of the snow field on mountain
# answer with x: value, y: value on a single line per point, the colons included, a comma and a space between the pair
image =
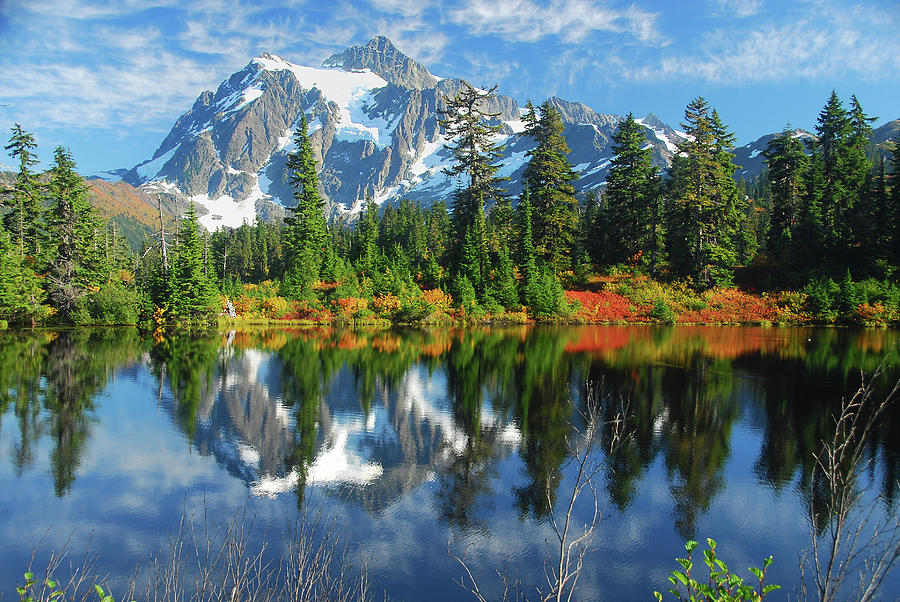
x: 150, y: 169
x: 225, y: 211
x: 350, y: 91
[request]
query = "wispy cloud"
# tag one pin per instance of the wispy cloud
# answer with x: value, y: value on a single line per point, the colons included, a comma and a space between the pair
x: 738, y: 8
x: 827, y: 41
x: 572, y: 20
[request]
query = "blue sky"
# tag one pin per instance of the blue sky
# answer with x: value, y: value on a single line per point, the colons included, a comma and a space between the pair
x: 108, y: 78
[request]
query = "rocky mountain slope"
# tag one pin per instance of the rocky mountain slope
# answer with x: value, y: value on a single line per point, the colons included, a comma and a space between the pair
x: 373, y: 115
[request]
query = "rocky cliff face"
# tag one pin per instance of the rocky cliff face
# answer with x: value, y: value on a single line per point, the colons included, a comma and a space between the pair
x: 373, y: 123
x: 381, y: 57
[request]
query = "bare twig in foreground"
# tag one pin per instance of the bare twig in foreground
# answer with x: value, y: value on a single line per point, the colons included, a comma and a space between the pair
x: 570, y: 545
x: 856, y: 541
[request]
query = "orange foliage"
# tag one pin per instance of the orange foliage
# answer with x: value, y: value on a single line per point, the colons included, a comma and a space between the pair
x: 605, y: 306
x: 386, y: 303
x: 438, y: 299
x: 732, y: 306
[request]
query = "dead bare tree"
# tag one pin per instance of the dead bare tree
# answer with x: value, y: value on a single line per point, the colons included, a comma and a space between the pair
x: 567, y: 549
x: 857, y: 541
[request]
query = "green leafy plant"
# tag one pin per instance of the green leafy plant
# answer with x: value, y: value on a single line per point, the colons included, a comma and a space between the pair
x: 27, y: 591
x: 723, y: 585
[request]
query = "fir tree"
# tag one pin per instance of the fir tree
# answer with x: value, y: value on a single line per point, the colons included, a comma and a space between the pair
x: 20, y: 291
x: 367, y: 233
x: 787, y: 165
x: 527, y: 256
x: 630, y: 191
x: 191, y: 293
x: 895, y: 202
x: 833, y: 130
x: 306, y: 236
x: 706, y: 210
x: 466, y: 122
x: 550, y: 175
x: 24, y: 222
x: 77, y: 260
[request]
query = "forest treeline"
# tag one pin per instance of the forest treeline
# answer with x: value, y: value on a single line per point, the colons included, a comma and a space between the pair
x: 822, y: 222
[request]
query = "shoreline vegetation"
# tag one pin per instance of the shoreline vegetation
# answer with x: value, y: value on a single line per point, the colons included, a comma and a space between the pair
x: 815, y: 240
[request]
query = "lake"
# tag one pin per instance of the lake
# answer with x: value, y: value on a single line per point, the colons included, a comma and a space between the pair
x: 420, y: 441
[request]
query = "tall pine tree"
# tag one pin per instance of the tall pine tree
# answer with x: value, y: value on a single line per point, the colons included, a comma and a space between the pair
x: 787, y: 164
x: 306, y: 231
x: 24, y: 221
x: 466, y: 121
x: 76, y: 264
x: 192, y: 294
x: 550, y: 175
x: 631, y: 192
x: 705, y: 210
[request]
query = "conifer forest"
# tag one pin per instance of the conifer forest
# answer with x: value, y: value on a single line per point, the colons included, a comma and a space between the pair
x: 814, y: 239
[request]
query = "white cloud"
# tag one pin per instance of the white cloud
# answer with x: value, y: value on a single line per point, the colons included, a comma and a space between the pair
x: 738, y: 8
x: 572, y: 20
x: 827, y: 41
x: 407, y: 8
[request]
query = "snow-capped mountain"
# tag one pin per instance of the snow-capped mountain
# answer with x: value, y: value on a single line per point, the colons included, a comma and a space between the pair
x: 373, y: 123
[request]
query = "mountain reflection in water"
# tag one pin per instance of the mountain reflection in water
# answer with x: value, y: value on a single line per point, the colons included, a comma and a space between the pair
x: 475, y: 421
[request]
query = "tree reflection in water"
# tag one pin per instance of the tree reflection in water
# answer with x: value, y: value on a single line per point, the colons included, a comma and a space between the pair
x: 450, y: 405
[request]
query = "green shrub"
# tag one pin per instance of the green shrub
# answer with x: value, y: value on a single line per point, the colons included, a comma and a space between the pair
x: 115, y: 303
x: 544, y: 295
x: 464, y: 293
x: 491, y: 305
x: 662, y: 312
x: 820, y: 296
x: 722, y: 585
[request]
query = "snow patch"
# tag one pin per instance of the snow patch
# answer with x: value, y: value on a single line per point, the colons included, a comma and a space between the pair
x: 224, y: 211
x: 272, y: 486
x: 249, y: 95
x: 249, y: 456
x: 512, y: 163
x: 151, y: 169
x: 337, y: 463
x: 350, y: 90
x: 660, y: 135
x: 517, y: 126
x: 754, y: 154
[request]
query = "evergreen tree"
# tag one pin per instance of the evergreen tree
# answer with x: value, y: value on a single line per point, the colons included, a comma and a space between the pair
x: 437, y: 234
x: 630, y: 191
x: 833, y: 130
x: 895, y: 202
x: 192, y: 294
x: 503, y: 279
x: 24, y: 222
x: 811, y: 234
x: 550, y: 175
x: 706, y: 209
x: 306, y: 236
x: 859, y: 230
x: 20, y: 291
x: 466, y: 122
x: 76, y: 263
x: 367, y: 233
x: 787, y: 165
x: 527, y: 256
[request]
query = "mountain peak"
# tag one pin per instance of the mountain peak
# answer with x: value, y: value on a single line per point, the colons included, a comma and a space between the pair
x: 382, y: 57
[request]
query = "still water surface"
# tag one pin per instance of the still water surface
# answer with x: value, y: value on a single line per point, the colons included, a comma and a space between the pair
x: 422, y: 439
